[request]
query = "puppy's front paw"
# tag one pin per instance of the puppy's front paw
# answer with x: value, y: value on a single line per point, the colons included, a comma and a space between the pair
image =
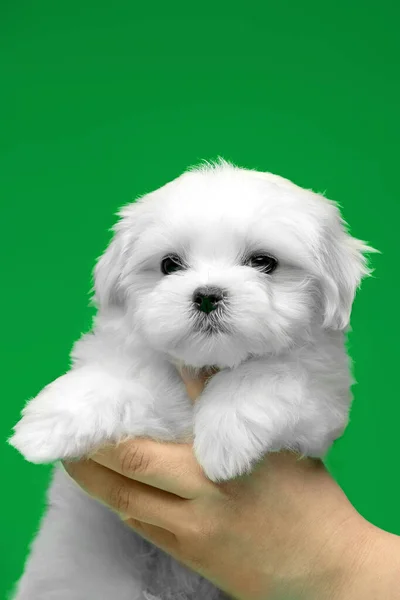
x: 225, y: 447
x: 220, y: 460
x: 45, y: 434
x: 70, y: 417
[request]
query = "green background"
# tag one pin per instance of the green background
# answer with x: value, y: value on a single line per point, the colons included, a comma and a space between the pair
x: 101, y: 102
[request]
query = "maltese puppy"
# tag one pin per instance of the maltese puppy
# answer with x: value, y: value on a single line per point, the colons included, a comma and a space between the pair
x: 222, y: 268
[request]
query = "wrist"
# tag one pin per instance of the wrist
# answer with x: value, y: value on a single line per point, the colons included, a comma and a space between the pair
x: 341, y: 560
x: 375, y: 569
x: 359, y: 561
x: 331, y: 562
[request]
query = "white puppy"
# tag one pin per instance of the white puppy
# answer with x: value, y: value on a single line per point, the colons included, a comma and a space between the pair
x: 226, y: 268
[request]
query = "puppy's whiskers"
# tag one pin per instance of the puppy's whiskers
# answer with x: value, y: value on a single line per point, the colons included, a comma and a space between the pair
x: 209, y: 324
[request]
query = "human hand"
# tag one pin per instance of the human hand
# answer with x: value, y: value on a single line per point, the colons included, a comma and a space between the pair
x: 285, y: 531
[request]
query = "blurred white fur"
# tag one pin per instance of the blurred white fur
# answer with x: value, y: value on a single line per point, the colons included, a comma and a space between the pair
x: 284, y: 379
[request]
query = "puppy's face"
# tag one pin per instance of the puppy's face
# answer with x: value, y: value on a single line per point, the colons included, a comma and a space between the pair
x: 223, y: 264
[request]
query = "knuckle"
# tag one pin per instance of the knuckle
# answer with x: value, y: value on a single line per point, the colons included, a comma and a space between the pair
x: 207, y: 531
x: 198, y: 541
x: 192, y: 554
x: 136, y: 524
x: 120, y: 499
x: 195, y: 561
x: 134, y: 460
x: 194, y: 531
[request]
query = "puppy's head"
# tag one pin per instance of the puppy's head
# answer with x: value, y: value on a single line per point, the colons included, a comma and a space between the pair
x: 225, y: 263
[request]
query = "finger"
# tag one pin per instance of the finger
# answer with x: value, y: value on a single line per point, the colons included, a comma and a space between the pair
x: 194, y: 387
x: 195, y: 383
x: 130, y: 499
x: 167, y: 466
x: 166, y: 540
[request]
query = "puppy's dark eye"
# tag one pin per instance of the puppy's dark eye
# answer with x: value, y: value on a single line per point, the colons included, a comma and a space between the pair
x: 262, y: 262
x: 170, y: 264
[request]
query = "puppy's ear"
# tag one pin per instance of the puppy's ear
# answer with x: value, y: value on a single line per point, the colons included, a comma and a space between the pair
x: 109, y: 289
x: 343, y: 264
x: 108, y: 292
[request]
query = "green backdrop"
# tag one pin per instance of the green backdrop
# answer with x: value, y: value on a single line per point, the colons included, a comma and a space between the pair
x: 101, y: 102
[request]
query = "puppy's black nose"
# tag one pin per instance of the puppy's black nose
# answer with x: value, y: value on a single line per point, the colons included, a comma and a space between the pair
x: 207, y: 299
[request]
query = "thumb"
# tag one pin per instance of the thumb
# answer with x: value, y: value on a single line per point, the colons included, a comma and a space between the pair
x: 195, y: 382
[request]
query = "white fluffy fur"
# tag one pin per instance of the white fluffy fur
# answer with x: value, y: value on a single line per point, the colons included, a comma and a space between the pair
x: 284, y: 379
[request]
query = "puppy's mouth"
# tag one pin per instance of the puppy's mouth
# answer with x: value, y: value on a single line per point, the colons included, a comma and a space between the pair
x: 212, y: 323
